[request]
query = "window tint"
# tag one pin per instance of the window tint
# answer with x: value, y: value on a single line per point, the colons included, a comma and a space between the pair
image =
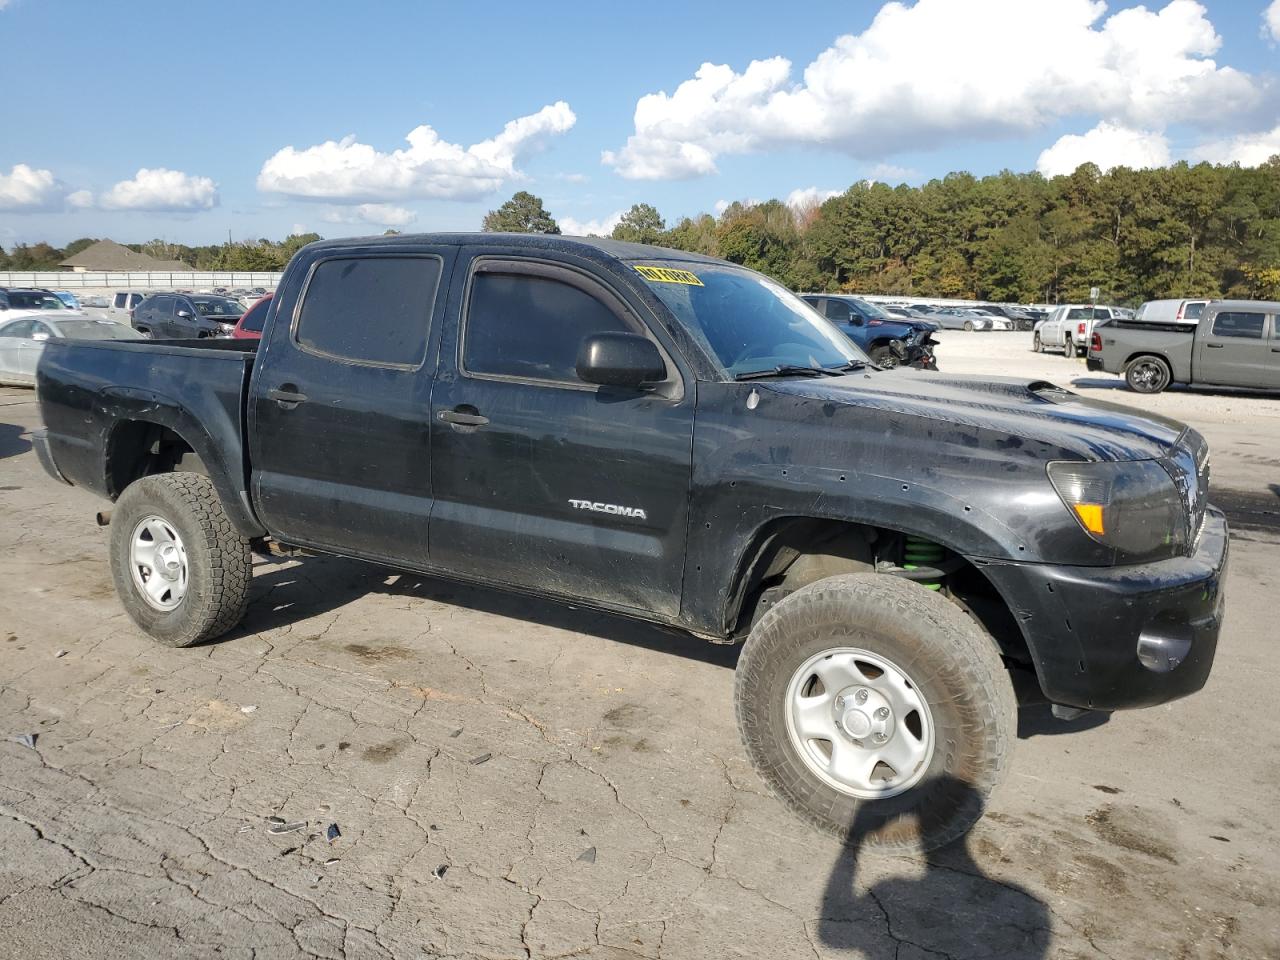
x: 119, y: 300
x: 370, y: 309
x: 837, y: 310
x: 1192, y: 311
x: 522, y: 326
x: 1079, y: 313
x: 22, y: 329
x: 1246, y: 325
x: 256, y: 316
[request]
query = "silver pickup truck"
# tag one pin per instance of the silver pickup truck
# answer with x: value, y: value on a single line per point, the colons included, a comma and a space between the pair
x: 1236, y: 343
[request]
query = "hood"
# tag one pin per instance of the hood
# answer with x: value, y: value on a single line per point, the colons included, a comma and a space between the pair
x: 1030, y: 409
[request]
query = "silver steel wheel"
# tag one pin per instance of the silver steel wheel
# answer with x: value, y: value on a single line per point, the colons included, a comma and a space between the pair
x: 859, y: 724
x: 158, y: 563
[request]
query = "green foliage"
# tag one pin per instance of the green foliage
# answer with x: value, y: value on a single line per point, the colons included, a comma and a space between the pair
x: 523, y: 213
x: 641, y: 224
x: 1136, y: 234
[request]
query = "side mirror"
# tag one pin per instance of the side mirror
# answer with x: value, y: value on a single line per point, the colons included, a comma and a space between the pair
x: 184, y: 314
x: 856, y: 320
x: 620, y: 360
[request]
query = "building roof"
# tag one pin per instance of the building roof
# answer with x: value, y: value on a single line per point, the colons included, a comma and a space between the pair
x: 109, y: 255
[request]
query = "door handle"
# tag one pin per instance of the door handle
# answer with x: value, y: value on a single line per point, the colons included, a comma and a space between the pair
x: 1215, y: 346
x: 287, y: 395
x: 462, y: 418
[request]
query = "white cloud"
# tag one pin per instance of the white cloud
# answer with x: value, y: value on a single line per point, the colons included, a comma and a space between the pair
x: 156, y: 190
x: 804, y: 198
x: 939, y: 71
x: 377, y: 214
x: 891, y: 173
x: 1247, y: 149
x: 1271, y: 21
x: 28, y: 188
x: 585, y: 228
x: 1108, y: 145
x: 429, y: 167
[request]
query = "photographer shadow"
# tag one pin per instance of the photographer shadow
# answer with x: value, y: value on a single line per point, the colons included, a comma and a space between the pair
x: 954, y: 909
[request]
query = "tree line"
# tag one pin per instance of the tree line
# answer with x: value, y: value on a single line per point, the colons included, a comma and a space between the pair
x: 245, y: 255
x: 1185, y: 230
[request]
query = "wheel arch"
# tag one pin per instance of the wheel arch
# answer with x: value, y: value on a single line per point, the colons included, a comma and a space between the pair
x: 790, y: 552
x: 163, y: 438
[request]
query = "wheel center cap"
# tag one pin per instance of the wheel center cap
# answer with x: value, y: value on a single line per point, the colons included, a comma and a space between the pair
x: 856, y: 723
x: 864, y: 714
x: 169, y: 562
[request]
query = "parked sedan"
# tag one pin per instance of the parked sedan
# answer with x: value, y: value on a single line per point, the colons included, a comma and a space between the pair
x: 22, y: 340
x: 961, y: 318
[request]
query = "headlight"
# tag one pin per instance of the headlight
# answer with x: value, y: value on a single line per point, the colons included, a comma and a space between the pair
x: 1132, y: 506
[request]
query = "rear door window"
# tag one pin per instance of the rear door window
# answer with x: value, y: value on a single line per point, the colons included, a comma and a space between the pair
x: 374, y: 310
x: 119, y: 301
x: 531, y: 327
x: 256, y: 316
x: 1246, y: 326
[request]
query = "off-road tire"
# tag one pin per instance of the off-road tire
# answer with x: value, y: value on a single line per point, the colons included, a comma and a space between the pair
x: 954, y: 665
x: 219, y: 565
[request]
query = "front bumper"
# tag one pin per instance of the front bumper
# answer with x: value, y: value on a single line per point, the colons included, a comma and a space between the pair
x: 1084, y: 625
x: 40, y: 441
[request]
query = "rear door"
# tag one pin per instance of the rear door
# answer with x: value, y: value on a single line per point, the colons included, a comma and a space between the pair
x: 1273, y: 354
x: 1234, y: 350
x: 155, y: 316
x: 543, y: 481
x: 18, y: 349
x: 339, y: 416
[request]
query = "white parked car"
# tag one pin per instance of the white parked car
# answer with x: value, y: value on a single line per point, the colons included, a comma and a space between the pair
x: 22, y: 339
x: 1069, y: 328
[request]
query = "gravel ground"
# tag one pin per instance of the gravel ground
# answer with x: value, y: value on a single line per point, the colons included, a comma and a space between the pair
x: 513, y: 778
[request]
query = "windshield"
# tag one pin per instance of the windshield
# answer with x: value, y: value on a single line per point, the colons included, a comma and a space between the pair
x: 746, y: 321
x: 218, y: 307
x: 24, y: 300
x: 96, y: 330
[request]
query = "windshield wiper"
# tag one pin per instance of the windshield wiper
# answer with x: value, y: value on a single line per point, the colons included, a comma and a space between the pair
x: 785, y: 370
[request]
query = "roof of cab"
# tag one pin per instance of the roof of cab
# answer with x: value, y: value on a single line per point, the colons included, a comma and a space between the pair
x: 1221, y: 306
x: 599, y: 248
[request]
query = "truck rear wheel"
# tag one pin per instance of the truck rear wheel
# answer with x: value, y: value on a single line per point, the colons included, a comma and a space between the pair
x: 180, y: 568
x: 1147, y: 374
x: 876, y: 710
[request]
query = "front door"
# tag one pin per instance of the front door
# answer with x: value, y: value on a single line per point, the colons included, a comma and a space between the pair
x: 339, y: 428
x: 1234, y: 350
x: 542, y: 481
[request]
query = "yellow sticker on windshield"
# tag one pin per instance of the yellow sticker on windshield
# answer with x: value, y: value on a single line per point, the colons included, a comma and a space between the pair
x: 668, y: 275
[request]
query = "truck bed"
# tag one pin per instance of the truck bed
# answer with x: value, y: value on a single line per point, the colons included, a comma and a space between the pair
x: 1122, y: 340
x: 196, y: 388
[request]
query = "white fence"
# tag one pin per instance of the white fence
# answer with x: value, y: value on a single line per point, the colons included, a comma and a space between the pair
x: 71, y: 280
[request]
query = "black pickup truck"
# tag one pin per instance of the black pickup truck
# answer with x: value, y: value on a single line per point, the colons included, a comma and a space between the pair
x: 678, y: 439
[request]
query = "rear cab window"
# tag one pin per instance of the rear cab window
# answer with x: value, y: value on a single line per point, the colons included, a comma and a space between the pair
x: 373, y: 310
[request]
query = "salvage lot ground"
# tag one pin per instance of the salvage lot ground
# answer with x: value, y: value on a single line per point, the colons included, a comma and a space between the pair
x: 615, y: 815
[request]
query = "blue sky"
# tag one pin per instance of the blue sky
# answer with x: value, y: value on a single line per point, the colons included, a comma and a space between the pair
x: 204, y: 97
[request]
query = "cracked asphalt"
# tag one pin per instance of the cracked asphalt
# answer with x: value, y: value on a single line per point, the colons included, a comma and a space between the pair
x: 512, y: 778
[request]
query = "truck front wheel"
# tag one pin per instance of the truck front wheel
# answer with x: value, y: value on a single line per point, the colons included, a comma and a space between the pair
x: 180, y: 568
x: 876, y: 710
x: 1149, y: 374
